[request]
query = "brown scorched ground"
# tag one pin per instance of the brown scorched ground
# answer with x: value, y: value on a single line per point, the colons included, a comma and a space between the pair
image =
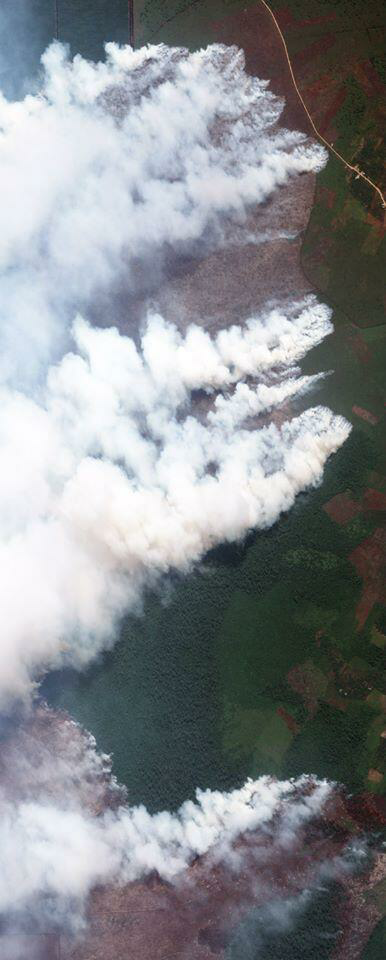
x: 194, y: 918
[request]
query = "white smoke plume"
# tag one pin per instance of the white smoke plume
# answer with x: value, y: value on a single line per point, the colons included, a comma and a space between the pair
x: 120, y: 482
x: 109, y: 478
x: 66, y: 828
x: 54, y: 849
x: 111, y: 473
x: 113, y: 163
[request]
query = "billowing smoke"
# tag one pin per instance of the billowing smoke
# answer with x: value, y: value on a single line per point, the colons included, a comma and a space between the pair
x: 59, y: 837
x: 108, y: 478
x: 58, y: 852
x: 120, y: 482
x: 129, y: 453
x: 126, y: 160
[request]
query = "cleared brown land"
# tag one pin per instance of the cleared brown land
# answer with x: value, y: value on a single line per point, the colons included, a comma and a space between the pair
x: 369, y: 560
x: 194, y: 918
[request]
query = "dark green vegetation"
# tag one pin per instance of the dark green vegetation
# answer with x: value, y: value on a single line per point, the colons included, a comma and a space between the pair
x: 86, y: 25
x: 271, y: 657
x: 300, y: 648
x: 299, y: 929
x: 255, y: 663
x: 337, y: 47
x: 344, y: 250
x: 376, y: 946
x: 302, y: 685
x: 266, y: 661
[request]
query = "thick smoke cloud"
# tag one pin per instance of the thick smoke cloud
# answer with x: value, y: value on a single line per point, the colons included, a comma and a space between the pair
x: 125, y: 159
x: 62, y: 853
x: 109, y: 478
x: 121, y: 482
x: 113, y: 470
x: 66, y: 828
x: 54, y: 849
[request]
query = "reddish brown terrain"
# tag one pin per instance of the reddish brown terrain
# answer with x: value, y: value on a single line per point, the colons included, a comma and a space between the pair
x: 195, y: 917
x: 369, y: 561
x: 152, y: 920
x: 252, y: 29
x: 229, y: 285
